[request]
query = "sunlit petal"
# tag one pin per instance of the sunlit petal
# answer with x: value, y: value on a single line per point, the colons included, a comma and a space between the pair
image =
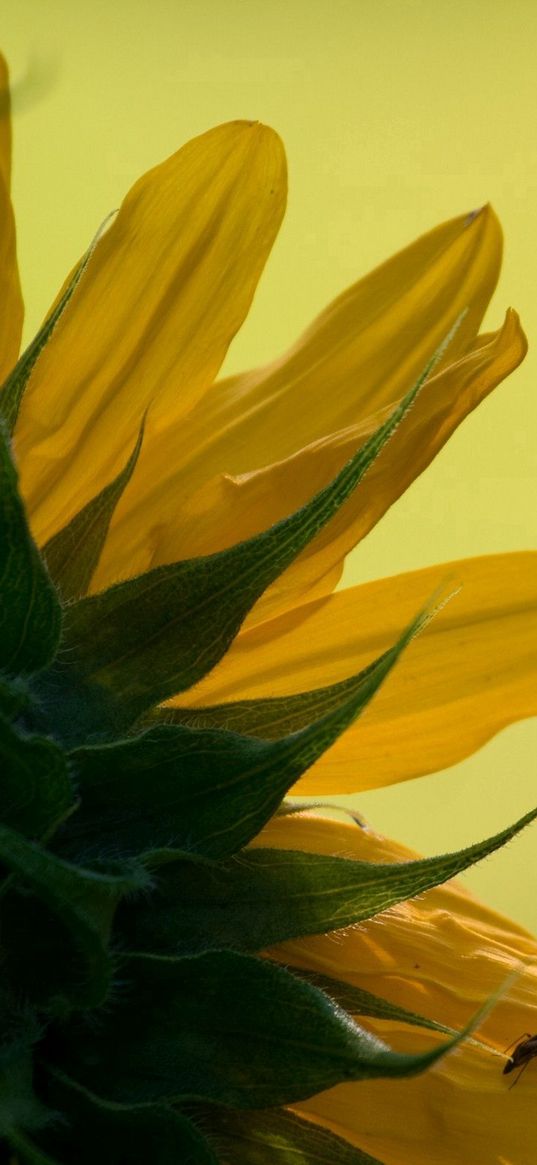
x: 168, y: 286
x: 360, y: 356
x: 230, y: 508
x: 460, y: 1110
x: 471, y: 672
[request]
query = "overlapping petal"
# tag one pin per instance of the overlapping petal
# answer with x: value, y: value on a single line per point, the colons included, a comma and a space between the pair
x: 471, y: 672
x: 229, y: 508
x: 11, y: 315
x: 359, y: 357
x: 167, y: 288
x: 441, y: 956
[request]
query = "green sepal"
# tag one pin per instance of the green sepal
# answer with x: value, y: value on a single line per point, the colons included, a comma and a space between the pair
x: 278, y: 1137
x: 28, y: 1153
x: 79, y: 909
x: 20, y: 1031
x: 14, y: 387
x: 238, y: 904
x: 277, y: 716
x: 144, y: 640
x: 30, y: 618
x: 73, y: 553
x: 14, y: 698
x: 36, y: 792
x: 359, y: 1002
x: 208, y: 791
x: 98, y: 1132
x: 228, y: 1028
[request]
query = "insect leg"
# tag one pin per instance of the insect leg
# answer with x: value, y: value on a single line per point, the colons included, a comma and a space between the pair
x: 517, y: 1078
x: 524, y: 1036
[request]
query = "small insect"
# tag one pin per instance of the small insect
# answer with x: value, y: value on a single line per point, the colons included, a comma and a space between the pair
x: 525, y: 1050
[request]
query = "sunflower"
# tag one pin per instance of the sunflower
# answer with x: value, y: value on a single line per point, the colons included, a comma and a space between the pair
x: 184, y: 976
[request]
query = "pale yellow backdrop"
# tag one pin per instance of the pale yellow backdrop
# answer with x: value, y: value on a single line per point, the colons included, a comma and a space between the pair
x: 396, y: 114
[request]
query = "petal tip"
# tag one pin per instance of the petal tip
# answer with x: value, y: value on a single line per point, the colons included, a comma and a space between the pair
x: 473, y: 214
x: 4, y: 73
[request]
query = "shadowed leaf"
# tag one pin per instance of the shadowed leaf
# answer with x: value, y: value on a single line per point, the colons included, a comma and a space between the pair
x: 208, y: 792
x: 238, y: 904
x: 277, y: 1137
x: 30, y: 616
x: 193, y: 1029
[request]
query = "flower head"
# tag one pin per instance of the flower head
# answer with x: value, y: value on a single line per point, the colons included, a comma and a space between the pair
x: 175, y: 659
x: 145, y: 333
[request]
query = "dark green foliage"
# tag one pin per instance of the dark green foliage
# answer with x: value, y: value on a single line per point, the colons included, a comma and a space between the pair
x: 146, y: 639
x: 277, y: 1137
x: 19, y: 1033
x: 30, y: 613
x: 193, y: 1029
x: 129, y: 906
x: 36, y: 792
x: 98, y: 1132
x: 82, y: 900
x: 207, y: 792
x: 238, y: 903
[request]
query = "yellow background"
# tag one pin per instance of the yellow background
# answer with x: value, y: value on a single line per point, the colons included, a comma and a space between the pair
x: 396, y: 114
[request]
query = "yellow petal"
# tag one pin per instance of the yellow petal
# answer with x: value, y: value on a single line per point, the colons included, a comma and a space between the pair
x: 441, y: 956
x: 361, y: 355
x: 5, y: 123
x: 412, y: 956
x: 168, y: 286
x: 228, y: 509
x: 459, y: 1111
x: 12, y: 313
x: 471, y: 672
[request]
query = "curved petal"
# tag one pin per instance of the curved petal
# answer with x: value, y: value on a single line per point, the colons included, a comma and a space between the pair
x: 228, y: 509
x: 5, y: 123
x: 441, y: 956
x: 361, y: 355
x: 459, y: 1111
x: 167, y: 288
x: 471, y: 672
x: 12, y: 313
x: 370, y: 343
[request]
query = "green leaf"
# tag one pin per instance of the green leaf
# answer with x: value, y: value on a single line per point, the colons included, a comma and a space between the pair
x: 277, y: 1137
x: 73, y: 553
x: 14, y: 387
x: 82, y: 901
x: 30, y: 614
x: 35, y: 787
x: 148, y: 638
x: 359, y: 1002
x: 208, y: 792
x: 227, y: 1028
x: 265, y: 896
x: 102, y: 1133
